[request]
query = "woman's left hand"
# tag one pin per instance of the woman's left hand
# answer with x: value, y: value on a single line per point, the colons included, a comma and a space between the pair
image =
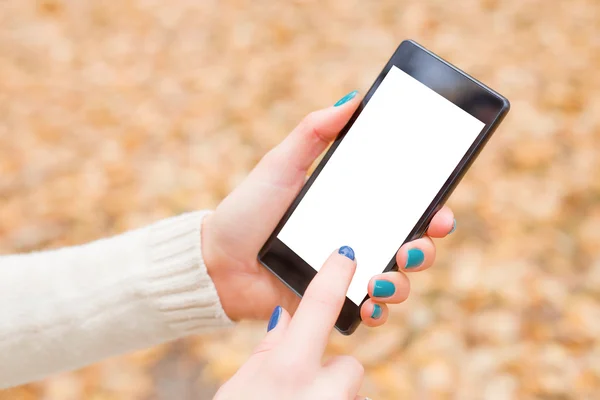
x: 233, y: 235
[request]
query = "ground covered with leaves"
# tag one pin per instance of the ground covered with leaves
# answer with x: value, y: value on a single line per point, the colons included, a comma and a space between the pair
x: 116, y: 114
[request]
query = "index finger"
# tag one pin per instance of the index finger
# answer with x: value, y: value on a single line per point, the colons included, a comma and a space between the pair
x: 321, y: 305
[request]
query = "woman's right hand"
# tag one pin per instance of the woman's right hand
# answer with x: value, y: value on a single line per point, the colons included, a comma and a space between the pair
x: 287, y: 364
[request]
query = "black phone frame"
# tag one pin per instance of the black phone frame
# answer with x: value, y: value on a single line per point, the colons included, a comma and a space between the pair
x: 448, y: 81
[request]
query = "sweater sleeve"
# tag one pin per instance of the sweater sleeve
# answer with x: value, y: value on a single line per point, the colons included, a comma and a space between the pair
x: 67, y: 308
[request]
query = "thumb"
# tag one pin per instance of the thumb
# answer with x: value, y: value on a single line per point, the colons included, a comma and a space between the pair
x: 260, y: 201
x: 310, y: 138
x: 278, y: 324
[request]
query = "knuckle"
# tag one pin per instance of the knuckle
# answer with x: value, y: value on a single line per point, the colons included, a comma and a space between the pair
x: 323, y: 300
x: 291, y: 366
x: 263, y: 347
x: 272, y: 157
x: 275, y: 167
x: 309, y: 120
x: 310, y: 125
x: 356, y: 366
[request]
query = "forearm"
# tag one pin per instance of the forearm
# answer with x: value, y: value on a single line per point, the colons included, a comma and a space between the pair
x: 67, y: 308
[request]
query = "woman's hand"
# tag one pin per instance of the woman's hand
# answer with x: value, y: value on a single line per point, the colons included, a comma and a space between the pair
x: 233, y: 235
x: 288, y: 362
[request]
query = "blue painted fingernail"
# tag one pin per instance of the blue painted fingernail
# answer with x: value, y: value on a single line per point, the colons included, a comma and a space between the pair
x: 347, y: 251
x: 383, y: 288
x: 415, y: 258
x: 376, y: 311
x: 346, y: 98
x: 453, y: 227
x: 274, y: 318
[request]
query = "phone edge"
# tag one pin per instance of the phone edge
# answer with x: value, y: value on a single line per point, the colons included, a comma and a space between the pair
x: 448, y: 189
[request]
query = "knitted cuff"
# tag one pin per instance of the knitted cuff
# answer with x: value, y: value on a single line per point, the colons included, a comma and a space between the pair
x: 178, y: 280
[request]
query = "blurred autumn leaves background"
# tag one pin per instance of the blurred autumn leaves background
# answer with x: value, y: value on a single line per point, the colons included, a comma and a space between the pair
x: 115, y: 114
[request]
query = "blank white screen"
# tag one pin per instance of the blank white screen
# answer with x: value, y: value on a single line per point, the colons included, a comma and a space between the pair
x: 381, y: 178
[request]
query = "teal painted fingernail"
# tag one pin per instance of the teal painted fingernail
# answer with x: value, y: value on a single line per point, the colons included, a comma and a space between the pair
x: 346, y: 98
x: 453, y: 227
x: 415, y: 258
x: 383, y: 288
x: 347, y: 251
x: 376, y: 311
x: 274, y: 318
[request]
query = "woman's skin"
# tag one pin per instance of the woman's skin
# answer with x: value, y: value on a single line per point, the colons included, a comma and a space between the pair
x: 233, y: 235
x: 288, y: 363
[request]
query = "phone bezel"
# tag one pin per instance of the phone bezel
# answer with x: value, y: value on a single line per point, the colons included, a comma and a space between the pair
x: 458, y: 87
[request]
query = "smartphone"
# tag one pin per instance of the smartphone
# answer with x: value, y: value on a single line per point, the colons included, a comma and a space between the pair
x: 392, y: 167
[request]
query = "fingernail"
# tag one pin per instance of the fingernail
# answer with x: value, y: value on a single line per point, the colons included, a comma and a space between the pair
x: 376, y: 311
x: 347, y: 251
x: 346, y: 98
x: 453, y: 227
x: 274, y: 318
x: 383, y: 288
x: 415, y: 258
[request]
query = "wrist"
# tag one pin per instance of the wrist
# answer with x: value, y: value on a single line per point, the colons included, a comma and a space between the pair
x: 217, y: 271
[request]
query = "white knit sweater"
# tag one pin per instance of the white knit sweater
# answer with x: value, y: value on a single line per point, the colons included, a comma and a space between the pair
x: 70, y: 307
